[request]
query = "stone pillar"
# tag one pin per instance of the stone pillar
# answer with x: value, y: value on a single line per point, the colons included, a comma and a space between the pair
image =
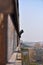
x: 3, y: 39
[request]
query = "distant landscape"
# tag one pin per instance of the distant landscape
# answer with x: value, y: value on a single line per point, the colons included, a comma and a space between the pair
x: 34, y: 52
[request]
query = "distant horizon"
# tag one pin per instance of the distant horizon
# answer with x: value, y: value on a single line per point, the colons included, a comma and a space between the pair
x: 32, y: 43
x: 31, y: 20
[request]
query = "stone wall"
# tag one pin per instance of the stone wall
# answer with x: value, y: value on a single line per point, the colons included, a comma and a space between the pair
x: 6, y: 6
x: 12, y: 38
x: 15, y: 41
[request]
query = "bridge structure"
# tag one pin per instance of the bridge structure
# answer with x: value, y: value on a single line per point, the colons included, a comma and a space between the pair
x: 9, y: 32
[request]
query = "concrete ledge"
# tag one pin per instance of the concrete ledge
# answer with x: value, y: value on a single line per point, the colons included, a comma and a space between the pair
x: 13, y: 60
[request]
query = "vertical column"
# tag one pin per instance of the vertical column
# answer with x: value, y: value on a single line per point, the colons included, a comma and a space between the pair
x: 3, y: 39
x: 10, y: 38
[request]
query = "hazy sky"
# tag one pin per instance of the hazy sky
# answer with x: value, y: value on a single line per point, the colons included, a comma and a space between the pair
x: 31, y: 20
